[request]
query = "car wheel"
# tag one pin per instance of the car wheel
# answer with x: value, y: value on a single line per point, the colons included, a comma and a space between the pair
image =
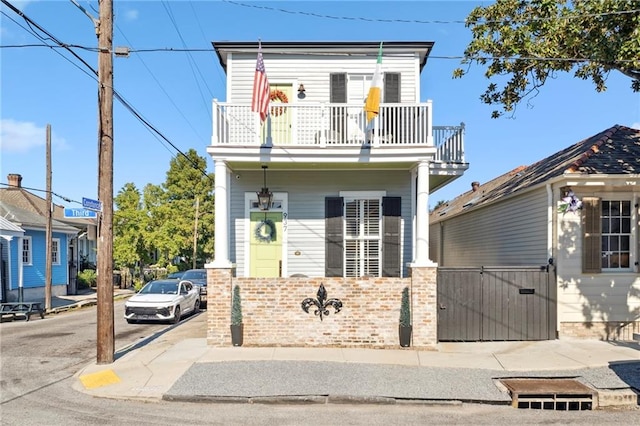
x: 176, y: 315
x: 196, y: 308
x: 131, y: 321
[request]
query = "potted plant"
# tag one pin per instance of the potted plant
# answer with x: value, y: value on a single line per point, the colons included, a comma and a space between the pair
x: 236, y: 317
x: 405, y: 328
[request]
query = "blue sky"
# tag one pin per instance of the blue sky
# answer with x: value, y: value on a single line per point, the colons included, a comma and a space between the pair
x: 173, y: 90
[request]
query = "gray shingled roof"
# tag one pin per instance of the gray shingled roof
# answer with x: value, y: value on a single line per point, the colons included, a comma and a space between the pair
x: 29, y: 219
x: 615, y: 151
x: 21, y: 198
x: 9, y: 227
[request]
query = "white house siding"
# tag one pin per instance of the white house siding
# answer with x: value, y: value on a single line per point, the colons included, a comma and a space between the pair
x: 314, y: 73
x: 512, y: 233
x: 306, y: 196
x: 607, y: 303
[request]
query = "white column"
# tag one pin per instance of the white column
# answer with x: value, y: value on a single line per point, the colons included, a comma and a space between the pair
x: 221, y: 245
x: 421, y: 257
x: 21, y: 268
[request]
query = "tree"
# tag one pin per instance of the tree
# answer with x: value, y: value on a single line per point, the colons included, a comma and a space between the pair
x: 129, y: 228
x: 173, y: 207
x: 532, y: 40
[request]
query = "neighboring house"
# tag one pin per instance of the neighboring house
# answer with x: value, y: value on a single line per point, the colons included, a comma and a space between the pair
x: 522, y: 218
x: 24, y: 255
x: 346, y: 199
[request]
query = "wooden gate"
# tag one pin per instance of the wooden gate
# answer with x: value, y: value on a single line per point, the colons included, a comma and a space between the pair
x: 496, y: 304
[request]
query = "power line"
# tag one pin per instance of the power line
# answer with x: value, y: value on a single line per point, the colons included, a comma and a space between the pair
x: 68, y: 200
x: 117, y: 95
x: 445, y: 57
x: 192, y: 63
x: 415, y: 21
x: 162, y: 87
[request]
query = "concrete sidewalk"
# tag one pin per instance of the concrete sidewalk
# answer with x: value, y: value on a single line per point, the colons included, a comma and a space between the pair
x: 175, y: 366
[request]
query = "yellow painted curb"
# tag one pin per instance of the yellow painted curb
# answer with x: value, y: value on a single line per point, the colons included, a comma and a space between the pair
x: 101, y: 378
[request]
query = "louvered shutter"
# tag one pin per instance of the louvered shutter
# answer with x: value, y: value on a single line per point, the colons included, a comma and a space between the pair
x: 391, y: 88
x: 391, y: 228
x: 338, y: 95
x: 334, y: 242
x: 592, y: 235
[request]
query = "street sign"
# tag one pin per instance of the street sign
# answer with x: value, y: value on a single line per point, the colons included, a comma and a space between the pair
x: 90, y: 204
x: 80, y: 214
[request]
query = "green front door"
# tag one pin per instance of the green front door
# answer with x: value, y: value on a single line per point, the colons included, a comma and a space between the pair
x: 266, y: 244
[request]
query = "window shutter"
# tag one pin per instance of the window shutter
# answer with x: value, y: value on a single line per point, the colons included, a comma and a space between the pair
x: 338, y: 95
x: 338, y: 89
x: 391, y: 88
x: 592, y: 235
x: 391, y: 227
x: 334, y: 242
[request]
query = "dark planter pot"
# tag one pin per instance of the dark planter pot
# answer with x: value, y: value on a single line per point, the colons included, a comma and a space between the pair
x: 405, y: 335
x: 236, y: 334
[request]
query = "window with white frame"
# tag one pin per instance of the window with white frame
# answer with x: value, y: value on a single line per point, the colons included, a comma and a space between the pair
x: 362, y: 237
x: 616, y: 234
x: 55, y: 251
x: 26, y: 250
x: 607, y: 235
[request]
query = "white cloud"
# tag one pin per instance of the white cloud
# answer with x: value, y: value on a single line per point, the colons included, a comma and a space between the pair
x: 636, y: 125
x: 22, y: 136
x: 131, y: 15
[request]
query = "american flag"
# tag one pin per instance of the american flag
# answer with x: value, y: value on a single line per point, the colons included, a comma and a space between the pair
x: 260, y: 100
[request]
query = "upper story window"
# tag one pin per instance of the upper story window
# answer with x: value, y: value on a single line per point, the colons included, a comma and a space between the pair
x: 607, y: 235
x: 26, y: 250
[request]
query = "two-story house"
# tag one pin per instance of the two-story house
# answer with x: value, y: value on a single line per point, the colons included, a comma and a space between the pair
x: 316, y: 194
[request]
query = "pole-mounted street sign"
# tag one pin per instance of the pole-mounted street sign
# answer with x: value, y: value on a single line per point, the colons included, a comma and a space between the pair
x: 77, y: 213
x: 90, y: 204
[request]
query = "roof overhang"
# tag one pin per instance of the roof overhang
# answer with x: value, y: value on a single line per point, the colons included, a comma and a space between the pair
x: 351, y: 48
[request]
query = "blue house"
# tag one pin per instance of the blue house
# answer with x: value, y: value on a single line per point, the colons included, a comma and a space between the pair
x: 23, y: 246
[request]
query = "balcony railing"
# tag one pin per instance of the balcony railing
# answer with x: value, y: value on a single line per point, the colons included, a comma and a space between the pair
x: 334, y: 125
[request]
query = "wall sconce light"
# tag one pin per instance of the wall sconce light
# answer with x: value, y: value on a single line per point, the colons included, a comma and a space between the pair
x: 301, y: 93
x: 264, y: 196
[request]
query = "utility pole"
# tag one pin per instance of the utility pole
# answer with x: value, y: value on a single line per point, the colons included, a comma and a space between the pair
x: 49, y: 238
x: 105, y: 333
x: 195, y: 235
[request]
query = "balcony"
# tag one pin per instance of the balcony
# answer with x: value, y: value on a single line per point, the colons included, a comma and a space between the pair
x: 326, y: 125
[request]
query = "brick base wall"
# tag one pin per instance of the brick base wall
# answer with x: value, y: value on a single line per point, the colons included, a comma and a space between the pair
x: 273, y: 315
x: 612, y: 330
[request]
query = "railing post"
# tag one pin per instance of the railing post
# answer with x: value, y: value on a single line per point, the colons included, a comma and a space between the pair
x: 376, y: 130
x: 429, y: 122
x: 324, y: 129
x: 215, y: 134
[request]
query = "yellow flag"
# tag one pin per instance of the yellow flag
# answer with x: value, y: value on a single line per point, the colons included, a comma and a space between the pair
x: 372, y: 104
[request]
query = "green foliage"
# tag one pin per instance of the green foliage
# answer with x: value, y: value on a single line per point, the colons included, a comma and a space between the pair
x: 524, y: 42
x: 138, y: 284
x: 129, y: 223
x: 236, y: 307
x: 87, y: 278
x: 158, y: 225
x: 405, y: 308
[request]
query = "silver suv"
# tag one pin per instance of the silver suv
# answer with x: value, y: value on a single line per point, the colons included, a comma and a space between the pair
x: 198, y: 277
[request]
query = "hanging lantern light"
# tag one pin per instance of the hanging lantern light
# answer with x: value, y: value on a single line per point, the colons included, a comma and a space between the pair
x: 264, y: 196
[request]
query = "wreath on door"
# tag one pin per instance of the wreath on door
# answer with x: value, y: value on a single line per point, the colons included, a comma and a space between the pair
x: 278, y: 95
x: 265, y: 231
